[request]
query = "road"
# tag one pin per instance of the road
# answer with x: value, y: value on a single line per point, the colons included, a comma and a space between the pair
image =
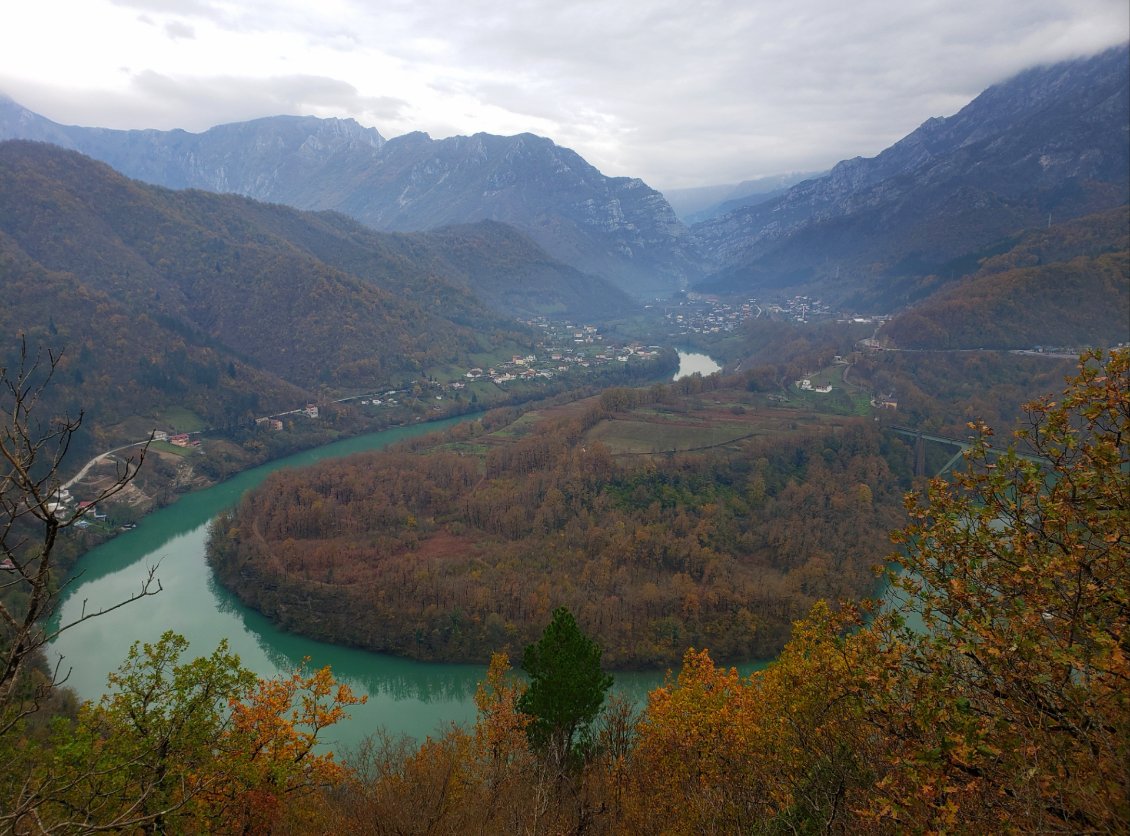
x: 100, y: 457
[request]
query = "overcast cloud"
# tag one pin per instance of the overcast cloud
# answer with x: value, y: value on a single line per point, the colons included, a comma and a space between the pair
x: 680, y: 94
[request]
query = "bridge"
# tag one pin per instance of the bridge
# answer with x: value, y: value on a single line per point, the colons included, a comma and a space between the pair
x: 920, y: 439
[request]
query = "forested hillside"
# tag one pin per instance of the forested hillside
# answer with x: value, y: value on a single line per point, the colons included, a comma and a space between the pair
x: 218, y: 304
x: 453, y: 552
x: 1061, y: 287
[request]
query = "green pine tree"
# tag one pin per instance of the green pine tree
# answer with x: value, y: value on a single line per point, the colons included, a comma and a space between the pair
x: 567, y: 687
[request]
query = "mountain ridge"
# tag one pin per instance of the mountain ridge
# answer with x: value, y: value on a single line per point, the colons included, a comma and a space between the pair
x: 615, y: 227
x: 1051, y: 139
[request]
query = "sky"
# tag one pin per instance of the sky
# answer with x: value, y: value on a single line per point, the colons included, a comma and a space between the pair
x: 679, y: 93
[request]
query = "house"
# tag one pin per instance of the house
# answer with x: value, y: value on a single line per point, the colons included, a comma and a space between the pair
x: 311, y: 410
x: 179, y: 440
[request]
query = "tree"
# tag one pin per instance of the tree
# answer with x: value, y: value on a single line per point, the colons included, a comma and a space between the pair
x: 182, y: 746
x: 782, y: 750
x: 31, y: 519
x: 567, y: 687
x: 1014, y: 704
x: 1008, y: 712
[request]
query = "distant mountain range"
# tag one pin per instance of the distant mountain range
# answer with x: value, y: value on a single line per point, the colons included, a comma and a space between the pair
x: 1049, y: 145
x: 695, y: 205
x: 614, y: 227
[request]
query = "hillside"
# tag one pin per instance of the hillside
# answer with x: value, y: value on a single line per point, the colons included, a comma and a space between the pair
x: 615, y: 227
x: 1061, y: 287
x: 213, y: 302
x: 1052, y: 142
x: 511, y: 274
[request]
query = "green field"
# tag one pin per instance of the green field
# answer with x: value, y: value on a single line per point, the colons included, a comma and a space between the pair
x: 178, y: 419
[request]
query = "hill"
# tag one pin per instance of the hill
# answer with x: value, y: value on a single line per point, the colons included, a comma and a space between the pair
x: 1061, y: 287
x: 513, y: 275
x: 681, y: 515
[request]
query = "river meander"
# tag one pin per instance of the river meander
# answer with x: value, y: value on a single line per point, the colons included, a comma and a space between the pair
x: 404, y: 696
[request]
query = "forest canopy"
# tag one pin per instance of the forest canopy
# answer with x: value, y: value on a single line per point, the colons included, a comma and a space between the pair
x: 467, y: 547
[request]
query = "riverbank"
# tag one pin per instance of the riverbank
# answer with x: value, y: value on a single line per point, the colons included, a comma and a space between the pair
x: 213, y: 456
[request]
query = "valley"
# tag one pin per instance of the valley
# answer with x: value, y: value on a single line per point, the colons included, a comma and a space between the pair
x: 414, y: 406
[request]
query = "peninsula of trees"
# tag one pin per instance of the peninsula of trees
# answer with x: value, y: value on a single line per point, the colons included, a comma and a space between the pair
x: 680, y: 515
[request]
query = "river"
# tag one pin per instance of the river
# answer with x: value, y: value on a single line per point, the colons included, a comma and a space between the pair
x: 692, y: 362
x: 415, y: 698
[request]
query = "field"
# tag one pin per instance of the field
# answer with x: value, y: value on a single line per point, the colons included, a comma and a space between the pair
x: 683, y: 423
x: 653, y: 430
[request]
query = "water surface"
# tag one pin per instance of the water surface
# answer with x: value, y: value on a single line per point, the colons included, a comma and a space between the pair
x: 404, y: 696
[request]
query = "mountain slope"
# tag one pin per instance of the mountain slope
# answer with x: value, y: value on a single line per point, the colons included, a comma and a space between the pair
x: 1052, y: 141
x: 190, y: 296
x: 1062, y: 287
x: 511, y: 274
x: 615, y: 227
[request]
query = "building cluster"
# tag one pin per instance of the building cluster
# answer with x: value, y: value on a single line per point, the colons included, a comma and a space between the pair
x: 707, y: 315
x: 564, y: 348
x: 800, y: 309
x: 556, y: 357
x: 700, y: 314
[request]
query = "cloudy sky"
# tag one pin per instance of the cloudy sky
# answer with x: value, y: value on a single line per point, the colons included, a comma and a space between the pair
x: 679, y: 93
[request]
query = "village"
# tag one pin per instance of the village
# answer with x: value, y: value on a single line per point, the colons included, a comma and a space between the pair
x: 565, y: 349
x: 705, y: 314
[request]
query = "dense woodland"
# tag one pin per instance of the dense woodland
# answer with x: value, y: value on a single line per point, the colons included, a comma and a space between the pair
x: 456, y: 551
x: 944, y: 391
x: 1064, y: 286
x: 215, y: 304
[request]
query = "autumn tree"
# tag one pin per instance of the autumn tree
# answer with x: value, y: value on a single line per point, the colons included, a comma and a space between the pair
x: 785, y: 749
x: 992, y: 695
x: 567, y: 687
x: 200, y: 746
x: 1014, y: 702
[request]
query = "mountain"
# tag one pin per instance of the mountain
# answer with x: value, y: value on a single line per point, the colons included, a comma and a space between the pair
x: 513, y: 275
x: 614, y: 227
x: 1053, y: 143
x: 696, y: 205
x: 213, y: 302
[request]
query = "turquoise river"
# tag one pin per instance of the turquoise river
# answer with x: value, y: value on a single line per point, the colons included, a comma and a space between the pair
x: 404, y: 696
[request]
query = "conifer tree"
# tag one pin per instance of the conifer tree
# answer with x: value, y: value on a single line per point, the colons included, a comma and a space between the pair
x: 567, y: 687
